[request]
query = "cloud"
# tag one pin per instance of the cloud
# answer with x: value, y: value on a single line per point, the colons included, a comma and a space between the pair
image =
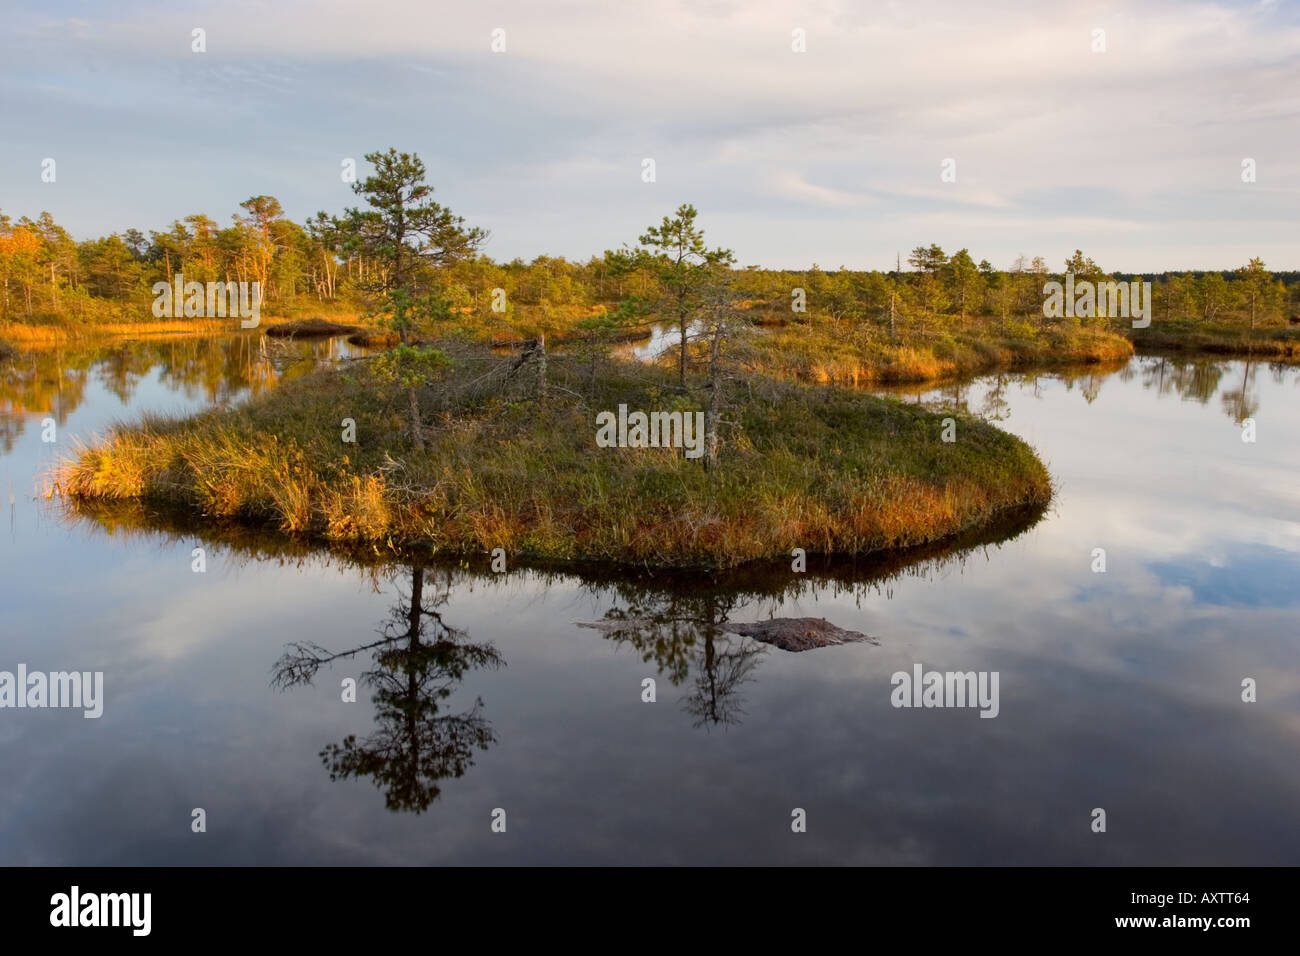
x: 793, y: 186
x: 1154, y: 128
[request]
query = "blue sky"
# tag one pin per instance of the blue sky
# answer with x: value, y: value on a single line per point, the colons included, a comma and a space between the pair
x: 832, y: 155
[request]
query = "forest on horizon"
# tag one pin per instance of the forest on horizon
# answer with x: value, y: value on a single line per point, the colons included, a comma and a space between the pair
x: 326, y: 264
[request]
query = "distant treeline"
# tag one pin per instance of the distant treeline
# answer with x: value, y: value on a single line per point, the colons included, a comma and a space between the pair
x: 327, y: 263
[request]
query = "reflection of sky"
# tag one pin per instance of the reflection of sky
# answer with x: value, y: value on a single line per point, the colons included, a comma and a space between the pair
x: 662, y: 338
x: 1119, y: 690
x: 1258, y: 576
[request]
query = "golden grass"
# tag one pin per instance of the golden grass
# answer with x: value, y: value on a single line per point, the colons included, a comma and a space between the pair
x: 826, y: 353
x: 63, y: 333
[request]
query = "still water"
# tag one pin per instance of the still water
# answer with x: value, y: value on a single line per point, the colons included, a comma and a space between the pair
x: 480, y: 697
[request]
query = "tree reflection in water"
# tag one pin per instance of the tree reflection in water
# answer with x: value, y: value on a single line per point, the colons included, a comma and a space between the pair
x: 681, y: 632
x: 419, y: 661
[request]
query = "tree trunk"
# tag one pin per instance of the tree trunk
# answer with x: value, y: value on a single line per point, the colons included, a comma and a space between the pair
x: 416, y: 438
x: 682, y: 354
x: 715, y: 400
x: 541, y: 367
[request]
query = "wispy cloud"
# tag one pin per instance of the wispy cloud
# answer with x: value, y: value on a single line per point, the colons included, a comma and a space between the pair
x: 792, y: 185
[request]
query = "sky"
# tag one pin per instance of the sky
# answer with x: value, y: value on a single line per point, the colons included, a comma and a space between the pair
x: 834, y: 155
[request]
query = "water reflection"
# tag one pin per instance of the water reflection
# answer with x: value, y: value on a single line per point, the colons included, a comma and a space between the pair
x: 1242, y: 402
x: 54, y: 382
x: 683, y: 632
x: 419, y: 661
x: 1198, y: 379
x: 677, y: 621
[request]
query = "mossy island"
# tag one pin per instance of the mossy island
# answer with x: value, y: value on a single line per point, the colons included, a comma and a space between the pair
x: 507, y: 458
